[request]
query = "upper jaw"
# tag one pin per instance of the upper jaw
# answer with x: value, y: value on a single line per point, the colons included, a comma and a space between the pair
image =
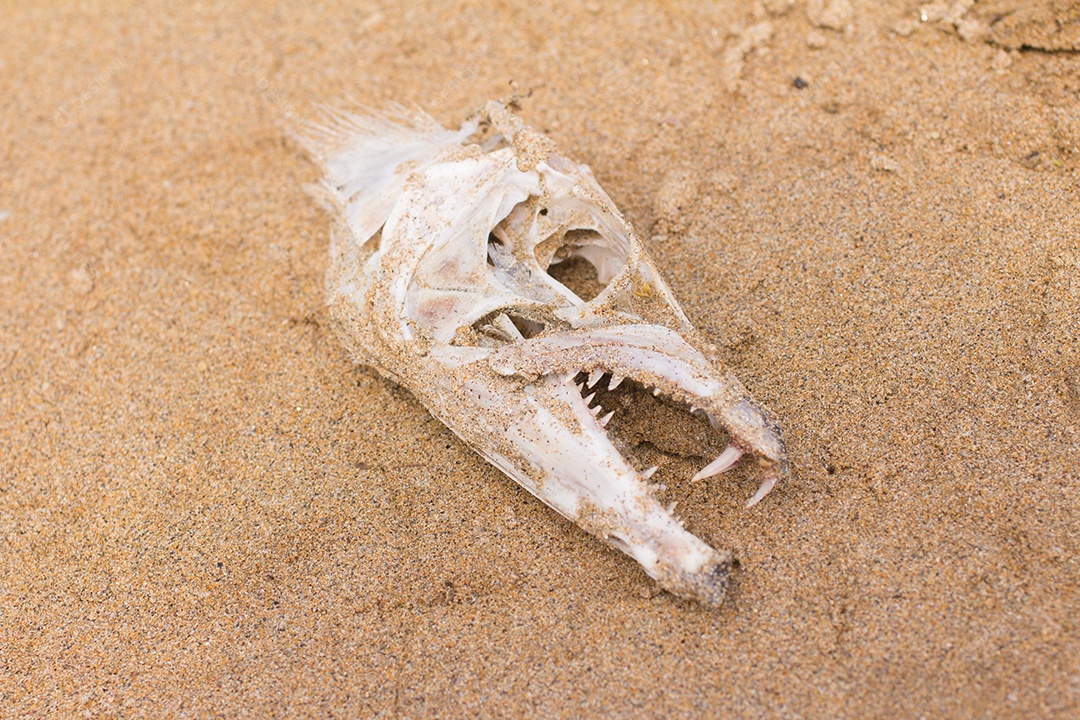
x: 657, y: 357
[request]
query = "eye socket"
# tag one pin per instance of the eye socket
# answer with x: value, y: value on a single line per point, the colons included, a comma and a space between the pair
x: 583, y: 260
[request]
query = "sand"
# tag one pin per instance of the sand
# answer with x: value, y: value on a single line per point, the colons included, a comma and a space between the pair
x: 206, y: 510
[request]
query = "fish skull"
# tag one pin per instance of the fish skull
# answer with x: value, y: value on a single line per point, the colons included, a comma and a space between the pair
x: 442, y: 254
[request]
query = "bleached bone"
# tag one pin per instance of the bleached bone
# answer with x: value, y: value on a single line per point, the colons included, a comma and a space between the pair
x: 439, y: 280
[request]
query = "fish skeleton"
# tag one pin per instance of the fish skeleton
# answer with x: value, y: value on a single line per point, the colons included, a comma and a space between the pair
x: 439, y: 279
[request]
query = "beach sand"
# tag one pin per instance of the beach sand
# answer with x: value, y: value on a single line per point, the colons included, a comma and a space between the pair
x: 207, y: 511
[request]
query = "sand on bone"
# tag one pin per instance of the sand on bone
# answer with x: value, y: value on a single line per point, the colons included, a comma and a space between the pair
x: 205, y: 510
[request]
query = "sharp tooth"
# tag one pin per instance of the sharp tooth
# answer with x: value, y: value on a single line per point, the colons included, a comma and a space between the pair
x: 615, y: 380
x: 650, y: 472
x: 725, y: 461
x: 594, y: 377
x: 590, y: 398
x: 656, y: 392
x: 596, y: 410
x: 766, y: 487
x: 606, y: 419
